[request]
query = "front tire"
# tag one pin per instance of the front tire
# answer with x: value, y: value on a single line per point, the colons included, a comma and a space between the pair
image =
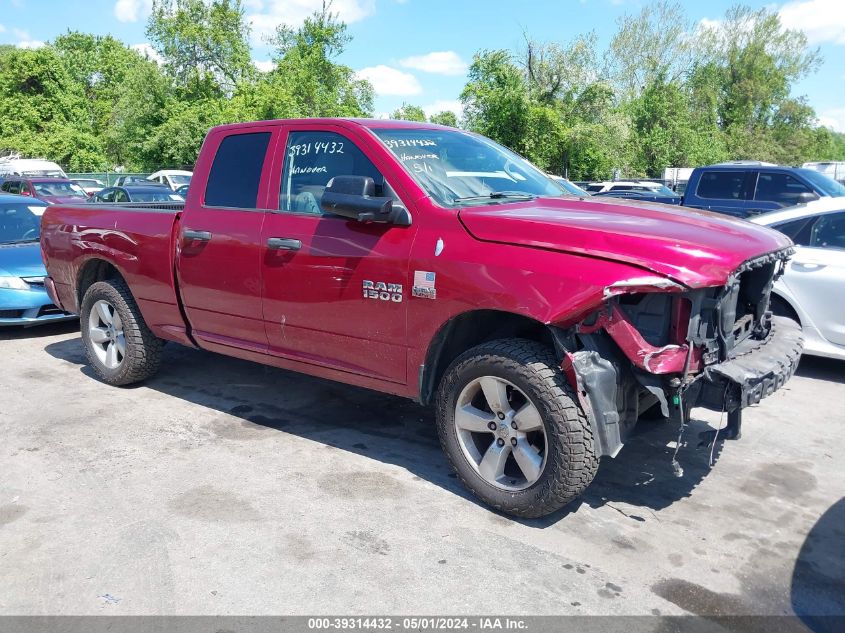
x: 513, y: 430
x: 119, y: 345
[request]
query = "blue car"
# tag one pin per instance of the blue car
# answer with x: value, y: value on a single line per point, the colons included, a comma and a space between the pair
x: 746, y: 188
x: 23, y: 299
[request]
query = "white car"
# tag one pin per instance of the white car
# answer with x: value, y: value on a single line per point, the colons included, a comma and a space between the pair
x: 173, y: 178
x: 90, y: 185
x: 11, y: 166
x: 629, y: 185
x: 812, y: 290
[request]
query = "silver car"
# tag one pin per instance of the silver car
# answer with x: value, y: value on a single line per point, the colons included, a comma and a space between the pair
x: 812, y: 290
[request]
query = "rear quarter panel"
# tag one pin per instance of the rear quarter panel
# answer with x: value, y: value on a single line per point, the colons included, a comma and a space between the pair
x: 139, y: 243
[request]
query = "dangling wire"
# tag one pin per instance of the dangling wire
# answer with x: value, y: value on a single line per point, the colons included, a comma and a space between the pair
x: 676, y: 466
x: 718, y: 428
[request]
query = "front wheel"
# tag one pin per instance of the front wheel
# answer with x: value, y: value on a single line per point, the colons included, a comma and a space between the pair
x: 513, y: 430
x: 118, y: 343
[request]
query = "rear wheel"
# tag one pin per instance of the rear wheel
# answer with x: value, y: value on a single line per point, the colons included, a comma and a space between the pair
x: 513, y: 430
x: 119, y: 345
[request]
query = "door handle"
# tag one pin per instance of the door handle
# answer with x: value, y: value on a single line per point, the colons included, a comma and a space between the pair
x: 283, y: 244
x: 196, y: 236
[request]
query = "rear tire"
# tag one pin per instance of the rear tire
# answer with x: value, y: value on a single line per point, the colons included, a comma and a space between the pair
x: 513, y: 430
x: 119, y: 345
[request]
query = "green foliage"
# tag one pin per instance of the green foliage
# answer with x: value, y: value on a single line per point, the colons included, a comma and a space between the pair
x: 447, y: 117
x: 408, y: 112
x: 91, y: 103
x: 665, y: 132
x: 670, y: 95
x: 205, y: 44
x: 664, y: 93
x: 44, y: 110
x: 305, y: 68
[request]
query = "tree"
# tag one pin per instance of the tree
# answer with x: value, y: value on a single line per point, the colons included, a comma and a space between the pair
x: 408, y: 112
x: 656, y: 43
x: 204, y: 43
x: 305, y: 68
x: 43, y: 110
x: 752, y: 63
x: 665, y: 133
x: 446, y: 117
x: 496, y: 99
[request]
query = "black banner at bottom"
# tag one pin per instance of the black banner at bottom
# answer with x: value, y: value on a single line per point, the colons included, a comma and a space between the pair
x: 407, y: 624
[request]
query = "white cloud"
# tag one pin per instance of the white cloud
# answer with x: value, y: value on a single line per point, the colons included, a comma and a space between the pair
x: 264, y: 66
x: 24, y: 40
x: 30, y: 44
x: 390, y: 81
x: 148, y: 51
x: 443, y: 105
x: 833, y: 118
x: 131, y: 10
x: 2, y: 29
x: 821, y: 20
x: 266, y: 15
x: 439, y: 62
x: 707, y: 23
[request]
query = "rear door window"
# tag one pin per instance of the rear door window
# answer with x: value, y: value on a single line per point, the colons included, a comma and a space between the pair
x: 721, y: 185
x: 778, y: 187
x: 235, y: 175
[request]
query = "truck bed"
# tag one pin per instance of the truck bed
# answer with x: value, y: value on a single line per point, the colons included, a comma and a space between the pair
x: 138, y: 239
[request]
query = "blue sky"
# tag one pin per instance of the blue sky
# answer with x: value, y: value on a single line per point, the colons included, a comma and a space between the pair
x: 416, y: 51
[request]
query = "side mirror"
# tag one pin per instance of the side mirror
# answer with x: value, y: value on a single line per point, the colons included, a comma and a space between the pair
x: 354, y: 197
x: 806, y: 196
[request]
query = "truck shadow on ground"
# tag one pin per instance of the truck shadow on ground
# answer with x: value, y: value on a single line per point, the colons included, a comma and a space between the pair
x: 398, y: 431
x: 818, y: 578
x: 42, y: 330
x: 827, y: 369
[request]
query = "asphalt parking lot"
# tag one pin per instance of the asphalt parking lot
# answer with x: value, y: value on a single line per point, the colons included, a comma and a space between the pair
x: 225, y: 487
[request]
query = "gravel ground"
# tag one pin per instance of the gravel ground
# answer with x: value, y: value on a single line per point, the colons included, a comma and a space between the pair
x: 224, y: 487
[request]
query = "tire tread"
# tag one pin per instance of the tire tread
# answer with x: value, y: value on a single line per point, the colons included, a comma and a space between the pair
x: 144, y: 349
x: 569, y: 476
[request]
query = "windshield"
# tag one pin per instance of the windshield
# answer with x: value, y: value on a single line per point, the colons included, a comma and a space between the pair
x: 180, y: 179
x: 156, y: 196
x: 70, y: 189
x: 18, y: 223
x: 663, y: 190
x: 570, y: 187
x: 454, y: 167
x: 823, y: 183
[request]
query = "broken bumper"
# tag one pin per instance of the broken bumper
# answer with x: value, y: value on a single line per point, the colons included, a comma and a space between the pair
x: 755, y: 369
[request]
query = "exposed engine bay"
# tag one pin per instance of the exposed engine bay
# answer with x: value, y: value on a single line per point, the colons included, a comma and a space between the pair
x: 717, y: 347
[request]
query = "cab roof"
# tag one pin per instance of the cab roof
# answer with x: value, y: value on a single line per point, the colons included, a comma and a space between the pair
x: 356, y: 122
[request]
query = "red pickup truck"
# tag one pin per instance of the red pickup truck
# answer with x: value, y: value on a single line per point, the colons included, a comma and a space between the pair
x: 431, y: 263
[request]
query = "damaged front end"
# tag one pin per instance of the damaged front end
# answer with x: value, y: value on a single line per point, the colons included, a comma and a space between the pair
x: 657, y: 343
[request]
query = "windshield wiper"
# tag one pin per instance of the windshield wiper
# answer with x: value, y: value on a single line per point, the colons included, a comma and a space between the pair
x: 497, y: 195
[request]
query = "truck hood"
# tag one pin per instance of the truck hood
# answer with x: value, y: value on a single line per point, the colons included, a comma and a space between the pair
x: 21, y: 260
x: 696, y: 248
